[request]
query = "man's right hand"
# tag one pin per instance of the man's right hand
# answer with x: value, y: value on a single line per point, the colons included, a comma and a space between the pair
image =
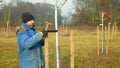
x: 45, y: 34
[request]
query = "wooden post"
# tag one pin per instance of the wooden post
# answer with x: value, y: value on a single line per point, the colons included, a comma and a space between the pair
x: 61, y: 32
x: 7, y: 28
x: 115, y: 29
x: 66, y: 29
x: 63, y: 27
x: 2, y: 31
x: 46, y: 54
x: 102, y: 19
x: 9, y: 31
x: 71, y: 49
x: 4, y: 28
x: 112, y: 33
x: 46, y: 47
x: 8, y: 21
x: 98, y: 51
x: 106, y: 39
x: 109, y: 36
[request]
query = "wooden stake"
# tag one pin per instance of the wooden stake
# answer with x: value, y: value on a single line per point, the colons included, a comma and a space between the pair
x: 71, y: 49
x: 7, y: 28
x: 106, y: 39
x: 61, y: 32
x: 109, y: 36
x: 46, y: 54
x: 112, y: 33
x: 66, y: 29
x: 115, y: 29
x: 4, y: 31
x: 46, y: 47
x: 98, y: 52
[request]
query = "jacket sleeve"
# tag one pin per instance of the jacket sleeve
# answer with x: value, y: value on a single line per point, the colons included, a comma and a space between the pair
x: 26, y: 41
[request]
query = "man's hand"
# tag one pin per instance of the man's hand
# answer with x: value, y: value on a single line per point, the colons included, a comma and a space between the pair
x: 45, y: 34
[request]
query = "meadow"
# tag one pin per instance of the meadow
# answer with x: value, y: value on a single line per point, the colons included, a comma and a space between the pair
x: 85, y: 44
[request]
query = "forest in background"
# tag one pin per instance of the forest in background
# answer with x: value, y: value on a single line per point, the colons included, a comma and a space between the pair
x: 86, y: 12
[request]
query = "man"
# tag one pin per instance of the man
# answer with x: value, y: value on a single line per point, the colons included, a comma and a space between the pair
x: 30, y: 43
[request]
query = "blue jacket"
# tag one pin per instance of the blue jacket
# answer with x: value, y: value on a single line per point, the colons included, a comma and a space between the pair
x: 30, y: 48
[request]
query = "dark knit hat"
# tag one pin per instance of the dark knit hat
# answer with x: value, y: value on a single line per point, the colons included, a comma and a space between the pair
x: 27, y: 17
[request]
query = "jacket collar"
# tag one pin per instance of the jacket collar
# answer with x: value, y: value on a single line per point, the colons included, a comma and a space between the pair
x: 29, y: 27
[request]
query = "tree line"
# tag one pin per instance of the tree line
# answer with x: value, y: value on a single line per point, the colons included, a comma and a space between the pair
x: 89, y: 14
x: 42, y: 12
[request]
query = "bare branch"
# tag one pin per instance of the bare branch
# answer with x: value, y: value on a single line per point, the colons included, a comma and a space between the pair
x: 63, y: 3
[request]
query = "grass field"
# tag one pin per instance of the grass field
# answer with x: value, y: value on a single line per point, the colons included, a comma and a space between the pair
x: 85, y: 42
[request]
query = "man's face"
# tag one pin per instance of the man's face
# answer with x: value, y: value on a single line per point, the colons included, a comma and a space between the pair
x: 30, y: 23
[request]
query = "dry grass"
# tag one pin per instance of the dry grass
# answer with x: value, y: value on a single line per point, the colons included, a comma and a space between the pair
x: 85, y: 51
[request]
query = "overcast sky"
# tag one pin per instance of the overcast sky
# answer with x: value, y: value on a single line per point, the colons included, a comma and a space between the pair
x: 67, y: 9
